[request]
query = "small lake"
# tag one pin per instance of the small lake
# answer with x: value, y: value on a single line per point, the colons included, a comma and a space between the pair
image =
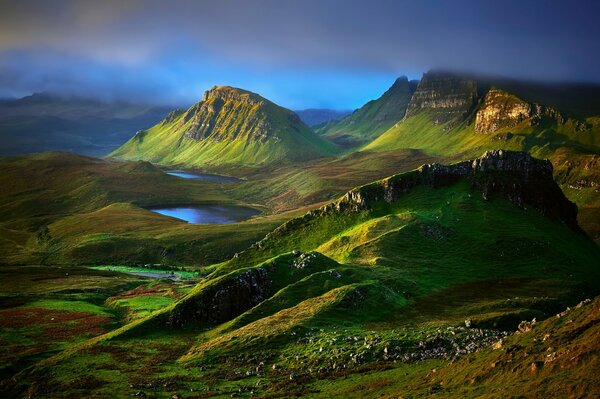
x: 203, y: 176
x: 209, y: 214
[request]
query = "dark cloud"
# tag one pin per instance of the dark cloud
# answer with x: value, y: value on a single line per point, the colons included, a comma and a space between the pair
x: 124, y: 42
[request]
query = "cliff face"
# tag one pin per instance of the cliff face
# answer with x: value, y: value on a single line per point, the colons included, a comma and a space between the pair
x: 503, y: 110
x: 516, y: 176
x: 444, y: 96
x: 226, y: 113
x: 223, y: 301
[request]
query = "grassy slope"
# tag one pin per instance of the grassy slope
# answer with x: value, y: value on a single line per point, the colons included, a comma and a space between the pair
x: 556, y: 358
x: 418, y: 253
x: 573, y: 153
x: 372, y: 119
x: 61, y: 208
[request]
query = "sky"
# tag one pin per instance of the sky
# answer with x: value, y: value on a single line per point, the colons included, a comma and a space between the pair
x: 300, y: 54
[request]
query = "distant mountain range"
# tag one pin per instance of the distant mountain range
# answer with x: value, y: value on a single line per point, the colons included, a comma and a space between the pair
x: 229, y: 126
x: 43, y: 122
x: 318, y: 116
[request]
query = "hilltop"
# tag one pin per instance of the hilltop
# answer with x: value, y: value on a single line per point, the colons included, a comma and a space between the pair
x: 229, y: 126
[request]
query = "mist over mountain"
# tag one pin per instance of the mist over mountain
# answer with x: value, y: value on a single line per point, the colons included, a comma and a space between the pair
x: 46, y: 121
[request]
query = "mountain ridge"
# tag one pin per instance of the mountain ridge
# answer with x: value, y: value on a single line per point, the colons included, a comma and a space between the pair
x: 373, y: 118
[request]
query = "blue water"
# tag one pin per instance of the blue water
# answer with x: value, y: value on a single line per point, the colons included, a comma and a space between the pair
x: 201, y: 176
x: 209, y: 214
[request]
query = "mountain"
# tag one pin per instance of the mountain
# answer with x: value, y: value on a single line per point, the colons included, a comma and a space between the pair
x: 373, y: 118
x: 229, y: 126
x: 44, y: 121
x: 402, y: 274
x: 455, y: 116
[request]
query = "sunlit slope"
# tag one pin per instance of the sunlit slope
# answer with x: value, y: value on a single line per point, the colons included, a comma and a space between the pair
x: 228, y: 127
x: 406, y: 237
x: 456, y: 117
x: 386, y: 272
x: 373, y: 118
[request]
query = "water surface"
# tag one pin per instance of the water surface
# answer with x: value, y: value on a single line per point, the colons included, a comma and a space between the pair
x: 203, y: 176
x: 209, y: 214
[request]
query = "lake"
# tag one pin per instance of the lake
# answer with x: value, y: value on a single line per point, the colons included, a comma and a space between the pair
x: 209, y: 214
x: 203, y: 176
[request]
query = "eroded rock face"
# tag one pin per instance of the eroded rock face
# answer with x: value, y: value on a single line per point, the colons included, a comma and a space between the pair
x: 223, y: 301
x: 503, y: 110
x: 227, y: 113
x: 444, y: 96
x: 516, y: 176
x: 170, y: 118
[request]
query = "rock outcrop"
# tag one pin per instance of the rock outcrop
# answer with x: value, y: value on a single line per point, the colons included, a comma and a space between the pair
x: 444, y: 96
x: 227, y: 113
x: 516, y: 176
x: 504, y: 110
x: 222, y: 301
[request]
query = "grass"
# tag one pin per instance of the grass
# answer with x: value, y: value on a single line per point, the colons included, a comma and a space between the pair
x: 131, y: 269
x: 62, y: 208
x: 401, y: 275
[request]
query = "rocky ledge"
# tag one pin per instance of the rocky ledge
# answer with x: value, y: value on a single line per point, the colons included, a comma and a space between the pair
x: 504, y: 110
x: 224, y: 300
x: 516, y: 176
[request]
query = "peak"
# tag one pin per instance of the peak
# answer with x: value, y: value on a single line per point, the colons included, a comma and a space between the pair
x: 231, y: 93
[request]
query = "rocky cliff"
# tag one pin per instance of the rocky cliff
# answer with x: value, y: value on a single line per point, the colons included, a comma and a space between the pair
x: 515, y: 176
x: 227, y: 113
x: 225, y: 299
x: 504, y: 110
x: 444, y: 96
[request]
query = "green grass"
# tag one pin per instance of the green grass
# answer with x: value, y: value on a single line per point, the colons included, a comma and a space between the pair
x: 71, y: 306
x: 131, y: 269
x: 372, y: 119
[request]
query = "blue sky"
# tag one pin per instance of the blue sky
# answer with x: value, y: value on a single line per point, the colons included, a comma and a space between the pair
x: 301, y: 54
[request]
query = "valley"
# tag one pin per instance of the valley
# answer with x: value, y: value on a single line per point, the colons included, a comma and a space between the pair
x: 445, y: 229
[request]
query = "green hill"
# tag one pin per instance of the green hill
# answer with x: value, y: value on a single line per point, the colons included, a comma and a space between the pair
x: 387, y: 273
x: 373, y: 118
x: 68, y: 209
x: 228, y: 126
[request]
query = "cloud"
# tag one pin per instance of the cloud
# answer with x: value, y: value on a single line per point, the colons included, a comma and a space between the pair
x: 534, y: 39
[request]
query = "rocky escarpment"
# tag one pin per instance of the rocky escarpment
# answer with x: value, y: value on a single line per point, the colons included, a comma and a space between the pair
x: 504, y: 110
x: 226, y: 113
x: 516, y: 176
x: 172, y: 116
x: 444, y: 96
x: 223, y: 300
